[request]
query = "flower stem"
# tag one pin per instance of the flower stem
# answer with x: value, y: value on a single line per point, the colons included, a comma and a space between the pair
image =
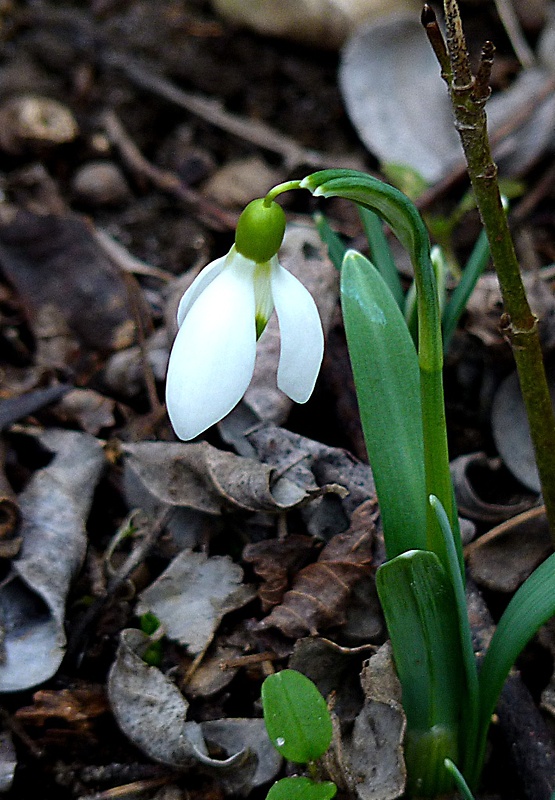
x: 468, y: 94
x: 279, y: 189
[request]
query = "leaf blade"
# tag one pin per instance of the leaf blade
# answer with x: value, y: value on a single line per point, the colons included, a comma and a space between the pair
x: 296, y: 716
x: 385, y: 369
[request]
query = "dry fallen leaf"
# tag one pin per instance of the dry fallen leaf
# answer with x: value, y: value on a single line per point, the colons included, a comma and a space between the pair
x: 274, y: 560
x: 370, y: 757
x: 318, y: 597
x: 54, y: 509
x: 151, y: 712
x: 202, y: 477
x: 193, y: 594
x: 55, y: 262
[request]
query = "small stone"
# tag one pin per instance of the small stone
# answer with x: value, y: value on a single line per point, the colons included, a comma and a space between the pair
x: 100, y: 183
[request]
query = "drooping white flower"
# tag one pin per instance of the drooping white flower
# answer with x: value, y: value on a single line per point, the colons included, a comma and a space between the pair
x: 221, y: 316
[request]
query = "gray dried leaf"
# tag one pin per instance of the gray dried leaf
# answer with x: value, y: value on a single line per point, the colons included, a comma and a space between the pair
x: 477, y: 468
x: 192, y: 596
x: 54, y: 508
x: 202, y: 477
x: 372, y: 754
x: 511, y: 431
x: 397, y: 101
x: 313, y: 465
x: 506, y: 555
x: 248, y: 735
x: 151, y: 712
x: 8, y: 761
x: 150, y: 709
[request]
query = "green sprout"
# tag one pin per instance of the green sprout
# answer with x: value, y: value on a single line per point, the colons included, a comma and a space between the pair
x: 300, y: 728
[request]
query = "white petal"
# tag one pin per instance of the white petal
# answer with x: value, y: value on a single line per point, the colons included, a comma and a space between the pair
x: 302, y: 339
x: 212, y: 359
x: 203, y: 279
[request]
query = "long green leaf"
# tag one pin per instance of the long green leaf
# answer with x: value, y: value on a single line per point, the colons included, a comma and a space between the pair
x: 475, y: 266
x: 417, y: 600
x: 385, y: 369
x: 530, y: 608
x: 332, y: 240
x: 380, y: 253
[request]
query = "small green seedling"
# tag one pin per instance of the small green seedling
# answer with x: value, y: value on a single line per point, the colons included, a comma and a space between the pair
x: 149, y: 624
x: 300, y: 728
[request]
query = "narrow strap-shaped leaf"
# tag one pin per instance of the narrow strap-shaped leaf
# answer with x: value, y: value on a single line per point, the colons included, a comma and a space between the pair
x: 385, y: 370
x: 530, y: 608
x: 475, y: 265
x: 470, y: 708
x: 417, y: 600
x: 380, y: 253
x: 332, y: 240
x: 419, y: 609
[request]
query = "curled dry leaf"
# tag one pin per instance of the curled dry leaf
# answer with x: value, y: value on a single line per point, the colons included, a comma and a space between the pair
x: 312, y: 465
x: 397, y: 101
x: 54, y: 508
x: 318, y: 597
x: 274, y: 560
x: 151, y: 712
x: 476, y: 469
x: 55, y: 261
x: 192, y: 596
x: 504, y: 557
x: 201, y: 477
x: 370, y: 757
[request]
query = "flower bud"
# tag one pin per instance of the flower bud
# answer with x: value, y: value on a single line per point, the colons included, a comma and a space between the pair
x: 260, y: 231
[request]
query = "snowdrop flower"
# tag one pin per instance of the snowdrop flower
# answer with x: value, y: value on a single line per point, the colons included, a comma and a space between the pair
x: 224, y: 312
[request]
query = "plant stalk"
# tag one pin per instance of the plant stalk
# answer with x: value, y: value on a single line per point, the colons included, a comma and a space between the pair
x: 468, y: 97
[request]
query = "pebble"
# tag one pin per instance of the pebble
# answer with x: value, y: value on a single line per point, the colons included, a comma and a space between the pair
x: 100, y: 183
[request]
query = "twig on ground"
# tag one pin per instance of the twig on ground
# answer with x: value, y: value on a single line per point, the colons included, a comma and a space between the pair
x: 117, y: 580
x: 212, y: 111
x: 512, y: 28
x: 217, y: 217
x: 127, y: 262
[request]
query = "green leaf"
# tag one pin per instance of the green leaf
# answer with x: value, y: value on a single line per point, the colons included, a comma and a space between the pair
x: 301, y: 789
x: 419, y: 609
x: 475, y: 266
x: 385, y: 369
x: 296, y: 716
x: 405, y: 178
x: 332, y: 240
x: 380, y: 253
x: 530, y: 608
